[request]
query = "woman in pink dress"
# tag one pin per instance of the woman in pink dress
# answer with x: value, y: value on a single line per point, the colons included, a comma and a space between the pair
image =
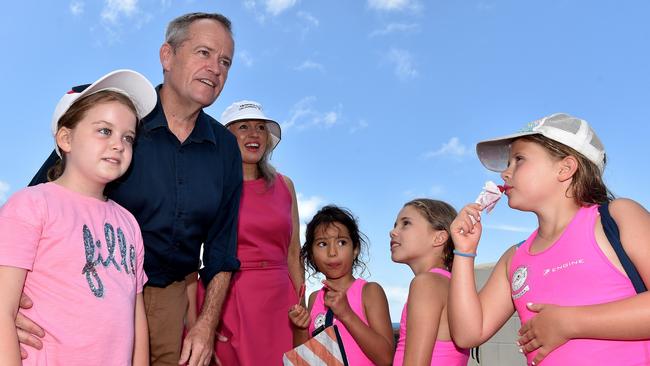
x: 254, y: 328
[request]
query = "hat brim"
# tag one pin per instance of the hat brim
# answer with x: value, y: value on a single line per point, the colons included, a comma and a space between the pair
x: 129, y: 82
x: 494, y: 153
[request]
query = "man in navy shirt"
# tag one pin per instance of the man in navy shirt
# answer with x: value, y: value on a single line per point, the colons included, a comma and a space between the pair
x: 183, y: 187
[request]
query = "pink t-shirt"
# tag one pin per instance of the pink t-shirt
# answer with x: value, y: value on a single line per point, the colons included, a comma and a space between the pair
x: 445, y: 353
x: 573, y: 272
x: 84, y: 259
x: 354, y: 293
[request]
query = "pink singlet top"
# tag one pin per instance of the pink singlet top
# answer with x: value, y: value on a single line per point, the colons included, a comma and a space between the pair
x: 572, y: 272
x: 444, y: 352
x: 353, y: 352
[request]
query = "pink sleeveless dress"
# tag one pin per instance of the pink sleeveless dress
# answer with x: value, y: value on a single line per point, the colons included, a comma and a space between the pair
x: 445, y: 353
x: 353, y: 352
x: 572, y: 272
x: 254, y: 314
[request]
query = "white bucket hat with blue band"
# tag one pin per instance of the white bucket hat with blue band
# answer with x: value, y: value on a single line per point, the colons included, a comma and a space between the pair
x: 128, y: 82
x: 561, y: 127
x: 250, y: 110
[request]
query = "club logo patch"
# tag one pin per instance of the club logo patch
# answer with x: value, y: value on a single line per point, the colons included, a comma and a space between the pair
x: 518, y: 282
x: 320, y: 320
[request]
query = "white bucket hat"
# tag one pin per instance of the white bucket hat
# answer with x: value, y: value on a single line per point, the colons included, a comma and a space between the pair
x: 250, y: 110
x: 563, y: 128
x: 133, y: 84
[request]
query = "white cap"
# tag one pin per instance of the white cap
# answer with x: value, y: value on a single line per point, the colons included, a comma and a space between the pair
x: 563, y: 128
x: 250, y: 110
x: 128, y: 82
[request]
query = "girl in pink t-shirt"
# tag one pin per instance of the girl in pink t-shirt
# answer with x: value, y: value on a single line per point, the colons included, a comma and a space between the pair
x: 332, y: 246
x: 576, y: 304
x: 420, y: 239
x: 76, y: 254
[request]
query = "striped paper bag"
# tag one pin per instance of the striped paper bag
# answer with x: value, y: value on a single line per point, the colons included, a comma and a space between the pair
x: 324, y: 349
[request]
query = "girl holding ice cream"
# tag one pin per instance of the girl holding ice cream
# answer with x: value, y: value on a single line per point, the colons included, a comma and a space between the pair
x: 576, y: 304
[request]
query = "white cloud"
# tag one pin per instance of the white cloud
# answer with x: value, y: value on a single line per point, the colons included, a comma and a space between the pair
x: 409, y: 193
x: 119, y: 17
x: 4, y: 189
x: 511, y: 228
x: 396, y: 296
x: 245, y: 58
x: 307, y: 207
x: 362, y: 124
x: 308, y: 18
x: 250, y: 4
x: 485, y: 6
x: 275, y: 7
x: 394, y: 5
x: 77, y: 7
x: 306, y: 23
x: 304, y: 115
x: 397, y: 293
x: 114, y: 9
x: 403, y: 63
x: 396, y: 28
x: 453, y: 147
x: 310, y: 65
x: 437, y: 190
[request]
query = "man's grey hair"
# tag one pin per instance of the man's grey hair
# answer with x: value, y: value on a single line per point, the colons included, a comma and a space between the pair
x: 177, y: 29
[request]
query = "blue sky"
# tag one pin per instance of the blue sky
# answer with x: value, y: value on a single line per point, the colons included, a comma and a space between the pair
x: 380, y: 100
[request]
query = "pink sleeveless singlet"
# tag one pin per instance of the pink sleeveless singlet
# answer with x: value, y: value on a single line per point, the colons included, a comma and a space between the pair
x: 445, y: 353
x: 572, y: 272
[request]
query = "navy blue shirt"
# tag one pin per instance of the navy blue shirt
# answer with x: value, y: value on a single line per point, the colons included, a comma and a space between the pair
x: 182, y: 195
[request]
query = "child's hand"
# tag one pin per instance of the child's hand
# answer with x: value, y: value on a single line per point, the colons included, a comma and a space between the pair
x: 299, y: 316
x: 546, y: 331
x: 466, y: 228
x: 336, y: 299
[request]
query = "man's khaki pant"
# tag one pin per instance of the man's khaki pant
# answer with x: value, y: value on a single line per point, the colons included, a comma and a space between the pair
x: 165, y: 308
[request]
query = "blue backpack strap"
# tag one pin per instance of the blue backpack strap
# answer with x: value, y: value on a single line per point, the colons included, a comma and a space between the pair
x: 613, y: 235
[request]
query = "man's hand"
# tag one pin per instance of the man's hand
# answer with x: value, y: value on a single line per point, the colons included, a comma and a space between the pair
x: 198, y: 346
x: 28, y: 331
